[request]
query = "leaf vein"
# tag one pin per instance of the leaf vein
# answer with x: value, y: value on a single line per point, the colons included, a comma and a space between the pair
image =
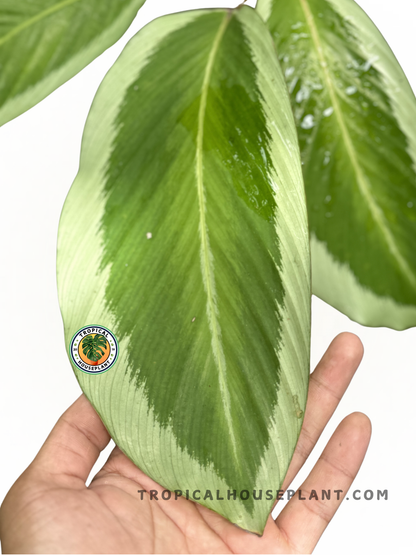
x: 206, y: 254
x: 35, y: 19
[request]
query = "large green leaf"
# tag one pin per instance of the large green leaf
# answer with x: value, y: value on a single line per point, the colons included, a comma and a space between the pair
x: 356, y: 119
x: 191, y: 139
x: 43, y: 43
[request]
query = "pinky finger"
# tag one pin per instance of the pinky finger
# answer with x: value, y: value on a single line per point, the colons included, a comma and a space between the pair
x: 305, y: 518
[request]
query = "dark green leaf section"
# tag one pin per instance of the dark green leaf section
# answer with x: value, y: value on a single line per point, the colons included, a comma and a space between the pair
x: 188, y: 336
x: 358, y: 164
x: 44, y: 43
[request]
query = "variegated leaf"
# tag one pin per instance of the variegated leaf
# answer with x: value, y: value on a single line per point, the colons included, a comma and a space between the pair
x: 356, y: 119
x: 43, y: 43
x: 185, y: 235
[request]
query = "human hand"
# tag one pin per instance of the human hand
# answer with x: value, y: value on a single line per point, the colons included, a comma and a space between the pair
x: 50, y: 510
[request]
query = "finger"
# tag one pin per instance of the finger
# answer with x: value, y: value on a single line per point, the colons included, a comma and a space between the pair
x: 303, y: 520
x: 327, y: 385
x: 74, y: 444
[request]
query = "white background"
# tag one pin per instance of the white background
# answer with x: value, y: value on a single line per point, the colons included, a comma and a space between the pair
x: 39, y: 160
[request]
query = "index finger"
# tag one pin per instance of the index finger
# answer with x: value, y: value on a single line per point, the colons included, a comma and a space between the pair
x: 327, y: 385
x: 74, y: 444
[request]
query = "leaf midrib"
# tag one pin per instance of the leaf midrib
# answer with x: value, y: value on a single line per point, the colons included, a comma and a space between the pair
x: 35, y: 19
x: 362, y: 180
x: 206, y: 256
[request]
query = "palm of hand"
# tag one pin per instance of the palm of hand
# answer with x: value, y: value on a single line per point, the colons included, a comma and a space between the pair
x: 109, y: 517
x: 50, y: 510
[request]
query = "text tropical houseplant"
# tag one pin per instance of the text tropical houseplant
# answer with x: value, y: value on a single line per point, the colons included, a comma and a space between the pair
x: 184, y: 244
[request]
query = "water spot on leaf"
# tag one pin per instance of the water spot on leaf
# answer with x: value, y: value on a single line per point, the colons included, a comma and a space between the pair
x: 291, y: 86
x: 302, y: 94
x: 351, y: 90
x: 368, y: 64
x: 297, y: 36
x: 308, y: 122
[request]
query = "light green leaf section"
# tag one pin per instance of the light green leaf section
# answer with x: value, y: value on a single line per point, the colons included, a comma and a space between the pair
x: 185, y: 234
x: 355, y: 113
x: 43, y: 43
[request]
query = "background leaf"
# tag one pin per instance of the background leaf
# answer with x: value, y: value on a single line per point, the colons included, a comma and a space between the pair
x: 44, y: 43
x: 191, y: 138
x: 355, y: 114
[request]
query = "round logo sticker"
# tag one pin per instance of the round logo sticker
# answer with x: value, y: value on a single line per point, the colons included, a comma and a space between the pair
x: 94, y: 349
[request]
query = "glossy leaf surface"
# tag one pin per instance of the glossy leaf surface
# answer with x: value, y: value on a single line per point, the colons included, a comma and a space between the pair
x: 43, y: 43
x: 356, y: 119
x: 185, y: 234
